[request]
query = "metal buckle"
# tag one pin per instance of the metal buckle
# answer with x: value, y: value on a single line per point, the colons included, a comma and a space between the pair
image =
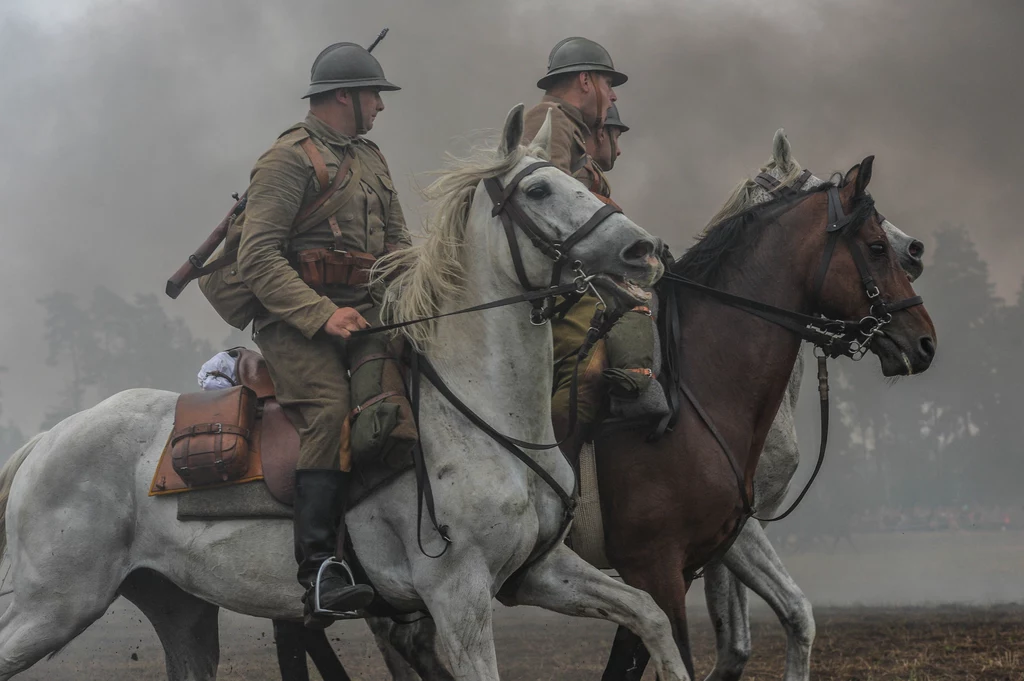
x: 219, y: 428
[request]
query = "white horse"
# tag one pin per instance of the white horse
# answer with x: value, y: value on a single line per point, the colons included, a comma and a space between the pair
x: 81, y: 528
x: 752, y: 562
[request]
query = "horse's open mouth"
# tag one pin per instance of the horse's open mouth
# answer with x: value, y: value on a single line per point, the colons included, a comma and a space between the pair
x: 625, y: 288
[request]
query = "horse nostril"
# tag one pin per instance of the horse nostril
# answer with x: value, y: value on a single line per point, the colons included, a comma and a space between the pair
x: 640, y: 250
x: 916, y: 249
x: 927, y: 345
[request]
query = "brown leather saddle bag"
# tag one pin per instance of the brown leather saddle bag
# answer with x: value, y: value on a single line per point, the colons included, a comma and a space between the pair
x: 213, y: 435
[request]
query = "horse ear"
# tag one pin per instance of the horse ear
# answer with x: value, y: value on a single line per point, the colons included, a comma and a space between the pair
x: 542, y: 140
x: 512, y: 133
x: 860, y: 175
x: 782, y: 153
x: 864, y: 176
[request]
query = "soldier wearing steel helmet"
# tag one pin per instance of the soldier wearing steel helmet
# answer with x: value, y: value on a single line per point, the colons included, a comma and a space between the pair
x: 578, y: 89
x: 312, y: 300
x: 603, y: 149
x: 629, y: 377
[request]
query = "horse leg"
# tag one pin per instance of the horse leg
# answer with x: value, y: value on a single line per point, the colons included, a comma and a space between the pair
x: 662, y: 579
x: 727, y: 605
x: 563, y: 582
x: 460, y: 604
x: 43, y: 618
x: 315, y: 643
x: 395, y: 661
x: 186, y: 625
x: 409, y: 649
x: 628, y: 658
x: 289, y: 639
x: 758, y: 566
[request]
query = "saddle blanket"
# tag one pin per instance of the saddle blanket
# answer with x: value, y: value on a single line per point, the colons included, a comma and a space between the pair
x: 249, y: 500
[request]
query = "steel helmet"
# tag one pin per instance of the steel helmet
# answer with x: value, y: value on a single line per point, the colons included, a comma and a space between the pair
x: 575, y: 55
x: 346, y: 65
x: 612, y: 119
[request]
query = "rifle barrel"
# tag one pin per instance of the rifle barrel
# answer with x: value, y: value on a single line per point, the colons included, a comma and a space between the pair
x: 377, y: 41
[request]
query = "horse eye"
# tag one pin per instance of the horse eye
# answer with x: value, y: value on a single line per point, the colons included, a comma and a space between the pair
x: 539, y: 191
x: 877, y: 248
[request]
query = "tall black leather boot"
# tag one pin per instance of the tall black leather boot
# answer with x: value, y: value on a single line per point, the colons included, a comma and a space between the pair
x: 320, y: 497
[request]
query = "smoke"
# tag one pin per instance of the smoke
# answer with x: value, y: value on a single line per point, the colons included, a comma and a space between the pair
x: 126, y: 126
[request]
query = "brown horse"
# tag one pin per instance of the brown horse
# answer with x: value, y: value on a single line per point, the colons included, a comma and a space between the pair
x: 673, y: 505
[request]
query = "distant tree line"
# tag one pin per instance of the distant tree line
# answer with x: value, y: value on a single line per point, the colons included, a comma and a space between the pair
x: 105, y: 344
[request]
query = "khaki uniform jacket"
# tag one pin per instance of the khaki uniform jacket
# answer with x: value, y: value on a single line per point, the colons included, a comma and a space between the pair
x: 596, y: 180
x: 282, y: 182
x: 568, y: 135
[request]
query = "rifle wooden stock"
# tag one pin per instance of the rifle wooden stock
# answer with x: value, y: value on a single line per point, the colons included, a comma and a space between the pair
x: 195, y: 266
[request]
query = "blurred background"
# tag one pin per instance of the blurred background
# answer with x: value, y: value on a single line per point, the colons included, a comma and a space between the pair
x: 125, y: 125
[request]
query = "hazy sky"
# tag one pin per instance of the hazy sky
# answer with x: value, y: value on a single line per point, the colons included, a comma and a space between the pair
x: 128, y: 123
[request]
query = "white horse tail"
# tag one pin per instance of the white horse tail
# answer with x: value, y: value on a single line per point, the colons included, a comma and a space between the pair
x: 7, y: 474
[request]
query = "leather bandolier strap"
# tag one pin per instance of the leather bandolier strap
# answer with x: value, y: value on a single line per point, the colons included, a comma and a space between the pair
x: 323, y: 267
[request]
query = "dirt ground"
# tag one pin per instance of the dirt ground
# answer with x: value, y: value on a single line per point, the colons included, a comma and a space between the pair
x: 868, y: 626
x: 853, y: 644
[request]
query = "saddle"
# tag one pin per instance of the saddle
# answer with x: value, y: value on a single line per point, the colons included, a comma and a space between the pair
x: 231, y: 436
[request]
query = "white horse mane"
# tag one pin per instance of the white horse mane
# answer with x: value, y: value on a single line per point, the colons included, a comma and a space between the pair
x: 741, y: 198
x: 426, y: 274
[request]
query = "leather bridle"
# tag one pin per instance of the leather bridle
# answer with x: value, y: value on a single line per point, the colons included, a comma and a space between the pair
x: 542, y: 300
x: 856, y: 336
x: 512, y: 217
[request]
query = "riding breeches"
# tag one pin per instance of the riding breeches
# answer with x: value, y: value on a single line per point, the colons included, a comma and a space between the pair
x: 310, y: 378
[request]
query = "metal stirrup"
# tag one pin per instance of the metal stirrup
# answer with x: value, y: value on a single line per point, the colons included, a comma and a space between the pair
x: 320, y: 610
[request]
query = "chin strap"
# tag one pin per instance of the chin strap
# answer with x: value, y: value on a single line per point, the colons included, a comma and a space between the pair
x: 357, y: 110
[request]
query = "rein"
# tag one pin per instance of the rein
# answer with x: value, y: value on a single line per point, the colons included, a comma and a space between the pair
x: 831, y: 337
x: 544, y: 308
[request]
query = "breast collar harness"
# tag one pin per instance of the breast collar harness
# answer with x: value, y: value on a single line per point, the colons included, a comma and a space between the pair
x: 512, y: 216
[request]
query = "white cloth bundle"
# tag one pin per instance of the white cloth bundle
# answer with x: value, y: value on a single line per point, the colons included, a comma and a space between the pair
x: 219, y: 372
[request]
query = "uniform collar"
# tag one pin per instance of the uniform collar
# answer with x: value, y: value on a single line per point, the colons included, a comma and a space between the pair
x: 569, y: 110
x: 326, y: 133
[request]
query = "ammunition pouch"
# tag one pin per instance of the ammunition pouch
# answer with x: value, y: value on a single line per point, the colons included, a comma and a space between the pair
x: 383, y: 430
x: 321, y: 268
